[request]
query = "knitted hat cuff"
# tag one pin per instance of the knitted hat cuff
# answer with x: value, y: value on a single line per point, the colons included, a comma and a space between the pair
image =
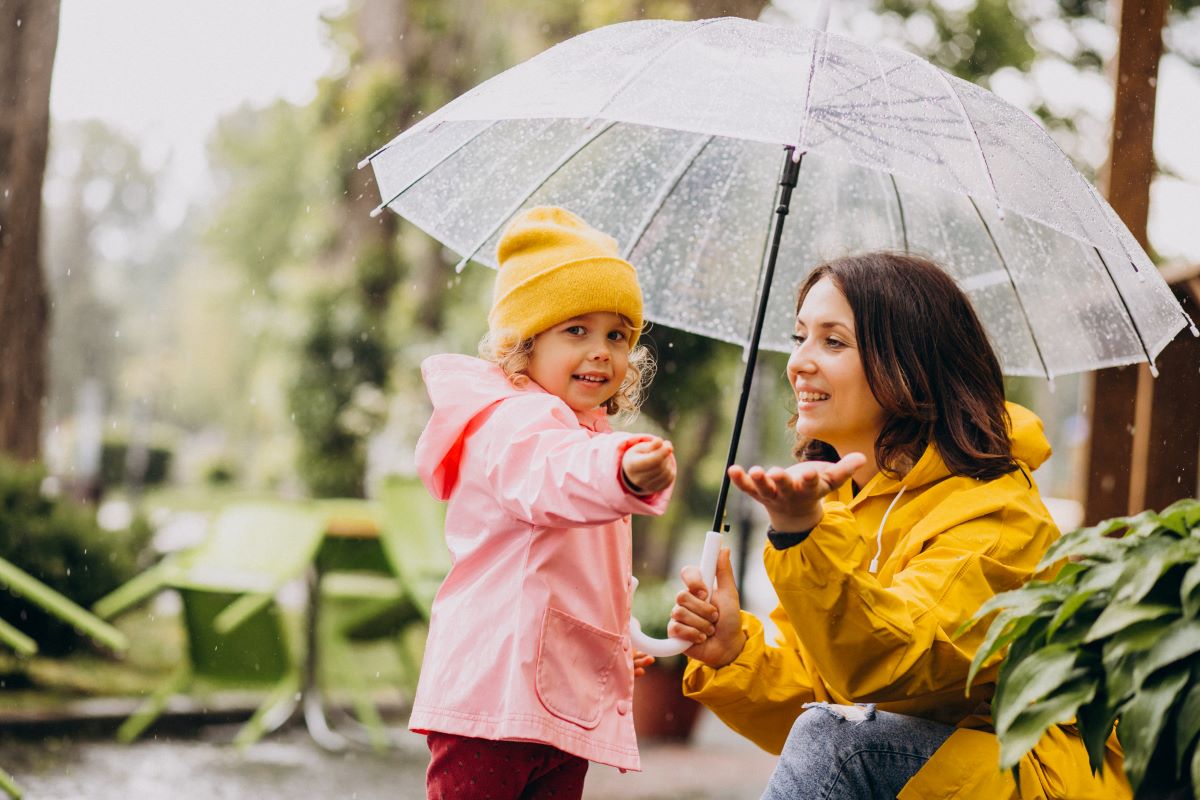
x: 568, y: 290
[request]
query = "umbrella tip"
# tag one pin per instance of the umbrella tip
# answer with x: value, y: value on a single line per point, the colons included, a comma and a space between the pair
x: 364, y: 162
x: 1153, y: 370
x: 376, y: 211
x: 461, y: 265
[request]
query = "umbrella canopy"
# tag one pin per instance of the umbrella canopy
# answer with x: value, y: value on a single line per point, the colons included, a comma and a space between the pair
x: 667, y: 136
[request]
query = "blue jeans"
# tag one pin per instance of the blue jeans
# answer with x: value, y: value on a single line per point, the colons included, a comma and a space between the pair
x: 869, y: 756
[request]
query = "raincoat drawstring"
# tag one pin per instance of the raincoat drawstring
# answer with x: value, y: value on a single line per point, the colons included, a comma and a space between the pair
x: 874, y: 567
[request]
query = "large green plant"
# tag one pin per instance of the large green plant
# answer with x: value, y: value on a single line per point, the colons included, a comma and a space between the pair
x: 1115, y: 634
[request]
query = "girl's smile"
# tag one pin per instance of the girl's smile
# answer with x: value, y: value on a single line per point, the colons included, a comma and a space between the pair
x: 582, y: 360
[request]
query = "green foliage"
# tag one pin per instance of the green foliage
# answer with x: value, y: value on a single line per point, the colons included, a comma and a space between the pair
x: 1115, y: 634
x: 114, y: 456
x: 60, y: 544
x: 344, y: 366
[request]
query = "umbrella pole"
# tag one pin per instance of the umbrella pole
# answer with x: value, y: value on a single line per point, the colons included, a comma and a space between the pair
x: 787, y: 181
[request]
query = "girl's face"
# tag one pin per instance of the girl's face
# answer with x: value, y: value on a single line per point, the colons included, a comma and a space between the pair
x: 582, y: 360
x: 833, y: 401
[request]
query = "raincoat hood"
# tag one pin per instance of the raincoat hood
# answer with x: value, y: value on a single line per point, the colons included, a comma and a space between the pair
x: 1029, y: 447
x: 461, y: 388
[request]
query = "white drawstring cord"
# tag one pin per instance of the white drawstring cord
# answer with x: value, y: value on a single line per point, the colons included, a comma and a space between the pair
x: 879, y: 534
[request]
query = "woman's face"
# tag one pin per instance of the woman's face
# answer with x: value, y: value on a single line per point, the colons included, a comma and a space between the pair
x: 833, y: 401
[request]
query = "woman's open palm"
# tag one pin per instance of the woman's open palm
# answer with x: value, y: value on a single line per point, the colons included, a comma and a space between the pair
x: 792, y: 495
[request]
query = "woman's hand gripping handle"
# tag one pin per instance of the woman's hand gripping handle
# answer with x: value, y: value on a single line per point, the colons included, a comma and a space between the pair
x: 706, y: 575
x: 710, y: 621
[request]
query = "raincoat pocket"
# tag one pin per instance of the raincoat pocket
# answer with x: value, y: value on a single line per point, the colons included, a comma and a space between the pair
x: 575, y: 663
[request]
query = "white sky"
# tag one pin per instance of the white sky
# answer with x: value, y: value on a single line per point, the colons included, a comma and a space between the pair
x: 163, y: 72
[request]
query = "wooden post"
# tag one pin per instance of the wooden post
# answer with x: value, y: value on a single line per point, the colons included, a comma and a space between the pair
x: 1119, y: 456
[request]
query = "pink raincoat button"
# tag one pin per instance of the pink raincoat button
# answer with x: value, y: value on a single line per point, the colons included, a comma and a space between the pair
x: 623, y: 707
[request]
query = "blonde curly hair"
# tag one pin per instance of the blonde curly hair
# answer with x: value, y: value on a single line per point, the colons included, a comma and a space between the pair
x: 512, y: 353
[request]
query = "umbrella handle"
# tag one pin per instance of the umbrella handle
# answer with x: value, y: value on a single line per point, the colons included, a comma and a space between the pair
x: 661, y: 648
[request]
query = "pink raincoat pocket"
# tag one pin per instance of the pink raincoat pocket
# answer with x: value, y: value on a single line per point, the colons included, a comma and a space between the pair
x: 575, y: 663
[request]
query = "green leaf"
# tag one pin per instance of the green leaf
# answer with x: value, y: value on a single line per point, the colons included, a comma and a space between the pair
x: 1067, y: 610
x: 1189, y: 592
x: 1188, y: 724
x: 1147, y: 563
x: 1100, y: 575
x: 1182, y: 516
x: 1196, y: 772
x: 1095, y: 720
x: 1143, y: 719
x: 1120, y: 616
x: 1034, y: 678
x: 1179, y: 642
x: 1087, y: 543
x: 1027, y: 729
x: 1136, y: 638
x: 1033, y: 597
x: 1002, y: 632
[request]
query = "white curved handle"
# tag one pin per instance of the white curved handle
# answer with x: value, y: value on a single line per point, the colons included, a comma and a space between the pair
x: 661, y: 648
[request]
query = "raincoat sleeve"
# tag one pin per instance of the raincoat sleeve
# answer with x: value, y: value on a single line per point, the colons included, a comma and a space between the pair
x: 891, y: 637
x: 761, y: 693
x: 546, y: 470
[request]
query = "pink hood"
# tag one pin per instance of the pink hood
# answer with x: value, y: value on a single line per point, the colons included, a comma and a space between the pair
x: 460, y: 387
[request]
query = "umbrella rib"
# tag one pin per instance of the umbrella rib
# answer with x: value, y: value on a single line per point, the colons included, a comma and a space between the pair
x: 688, y: 32
x: 375, y: 212
x: 1016, y: 292
x: 900, y: 206
x: 657, y: 204
x: 1125, y: 306
x: 975, y: 136
x: 562, y: 161
x: 818, y: 39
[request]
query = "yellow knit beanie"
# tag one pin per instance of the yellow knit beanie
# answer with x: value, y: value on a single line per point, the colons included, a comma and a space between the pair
x: 554, y: 266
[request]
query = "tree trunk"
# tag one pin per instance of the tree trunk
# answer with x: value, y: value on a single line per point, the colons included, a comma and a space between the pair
x: 28, y: 37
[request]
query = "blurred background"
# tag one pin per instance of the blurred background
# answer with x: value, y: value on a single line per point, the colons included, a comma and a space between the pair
x: 226, y: 324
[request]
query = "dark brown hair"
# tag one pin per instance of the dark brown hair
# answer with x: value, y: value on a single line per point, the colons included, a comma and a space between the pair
x: 927, y: 361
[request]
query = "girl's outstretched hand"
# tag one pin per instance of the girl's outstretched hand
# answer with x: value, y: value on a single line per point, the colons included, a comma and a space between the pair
x: 792, y: 496
x: 649, y: 466
x: 640, y: 662
x: 715, y: 626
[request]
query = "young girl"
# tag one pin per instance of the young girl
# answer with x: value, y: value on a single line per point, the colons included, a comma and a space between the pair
x: 528, y: 672
x: 912, y: 504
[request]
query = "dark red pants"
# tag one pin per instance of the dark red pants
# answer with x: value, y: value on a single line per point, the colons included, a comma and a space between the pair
x: 463, y: 768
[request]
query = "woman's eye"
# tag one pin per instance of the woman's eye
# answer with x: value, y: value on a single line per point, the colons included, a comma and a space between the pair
x: 834, y: 343
x: 797, y: 340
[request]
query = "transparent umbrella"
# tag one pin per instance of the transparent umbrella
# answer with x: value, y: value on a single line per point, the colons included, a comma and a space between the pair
x: 667, y: 135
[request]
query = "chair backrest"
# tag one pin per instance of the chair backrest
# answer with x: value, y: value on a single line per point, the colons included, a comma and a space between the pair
x: 258, y: 651
x: 251, y: 548
x: 411, y: 532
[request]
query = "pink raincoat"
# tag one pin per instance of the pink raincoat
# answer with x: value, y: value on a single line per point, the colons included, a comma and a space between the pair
x: 528, y: 638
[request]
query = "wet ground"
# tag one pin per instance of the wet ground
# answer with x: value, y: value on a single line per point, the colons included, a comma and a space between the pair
x: 716, y: 765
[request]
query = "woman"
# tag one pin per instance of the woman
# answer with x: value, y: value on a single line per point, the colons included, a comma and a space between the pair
x: 911, y: 505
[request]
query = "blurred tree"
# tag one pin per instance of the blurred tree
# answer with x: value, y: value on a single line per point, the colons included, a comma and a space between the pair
x: 98, y: 198
x: 28, y: 38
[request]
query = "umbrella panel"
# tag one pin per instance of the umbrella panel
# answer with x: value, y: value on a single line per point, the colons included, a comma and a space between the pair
x: 693, y: 212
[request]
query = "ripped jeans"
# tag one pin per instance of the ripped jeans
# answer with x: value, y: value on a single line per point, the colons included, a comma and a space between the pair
x: 852, y: 753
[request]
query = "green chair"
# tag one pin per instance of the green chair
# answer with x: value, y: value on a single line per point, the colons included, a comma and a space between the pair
x: 354, y: 600
x: 413, y: 540
x: 235, y: 632
x: 20, y: 582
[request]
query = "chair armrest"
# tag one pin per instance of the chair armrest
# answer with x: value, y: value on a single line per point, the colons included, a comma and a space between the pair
x: 33, y: 590
x: 18, y: 641
x: 130, y: 593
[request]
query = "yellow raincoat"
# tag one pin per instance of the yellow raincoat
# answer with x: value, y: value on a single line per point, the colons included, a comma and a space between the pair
x: 847, y: 635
